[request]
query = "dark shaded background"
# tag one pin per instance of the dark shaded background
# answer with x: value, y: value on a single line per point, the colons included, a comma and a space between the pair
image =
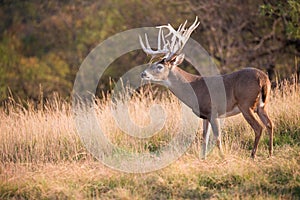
x: 43, y: 43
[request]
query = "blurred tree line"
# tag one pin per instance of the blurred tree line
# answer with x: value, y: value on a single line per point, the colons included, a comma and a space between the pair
x: 43, y: 43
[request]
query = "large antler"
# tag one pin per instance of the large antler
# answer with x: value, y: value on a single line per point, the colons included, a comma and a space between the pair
x: 169, y: 48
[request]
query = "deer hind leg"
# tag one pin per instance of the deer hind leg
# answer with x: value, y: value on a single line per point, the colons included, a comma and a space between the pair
x: 249, y: 115
x: 215, y: 125
x: 263, y: 115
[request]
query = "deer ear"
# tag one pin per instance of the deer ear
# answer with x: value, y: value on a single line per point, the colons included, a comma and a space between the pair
x: 178, y: 59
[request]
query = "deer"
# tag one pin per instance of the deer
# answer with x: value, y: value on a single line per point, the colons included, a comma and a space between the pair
x: 247, y: 90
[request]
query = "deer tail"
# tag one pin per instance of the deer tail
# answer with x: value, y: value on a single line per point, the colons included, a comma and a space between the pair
x: 265, y: 92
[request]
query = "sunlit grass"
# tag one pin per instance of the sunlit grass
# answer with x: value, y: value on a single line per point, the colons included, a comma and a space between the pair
x: 42, y: 157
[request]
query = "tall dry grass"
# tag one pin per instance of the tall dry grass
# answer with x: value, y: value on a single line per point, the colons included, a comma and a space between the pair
x: 41, y: 154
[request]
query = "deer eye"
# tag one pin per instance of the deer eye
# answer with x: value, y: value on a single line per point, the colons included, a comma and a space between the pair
x: 160, y: 67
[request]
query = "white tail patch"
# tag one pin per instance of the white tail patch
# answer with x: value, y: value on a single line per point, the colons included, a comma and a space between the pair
x: 261, y: 103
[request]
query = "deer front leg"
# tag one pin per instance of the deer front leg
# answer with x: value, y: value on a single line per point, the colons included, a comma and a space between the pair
x: 206, y: 131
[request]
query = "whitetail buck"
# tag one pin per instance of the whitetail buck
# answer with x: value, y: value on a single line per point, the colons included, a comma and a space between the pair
x: 247, y: 91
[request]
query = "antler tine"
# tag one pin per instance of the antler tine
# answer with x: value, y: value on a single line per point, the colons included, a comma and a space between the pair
x: 158, y: 39
x: 163, y: 39
x: 147, y: 42
x: 142, y: 44
x: 146, y: 49
x: 193, y: 27
x: 188, y: 32
x: 181, y: 28
x: 195, y: 22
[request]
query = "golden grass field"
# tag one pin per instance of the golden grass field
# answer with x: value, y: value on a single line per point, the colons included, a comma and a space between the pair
x: 42, y: 157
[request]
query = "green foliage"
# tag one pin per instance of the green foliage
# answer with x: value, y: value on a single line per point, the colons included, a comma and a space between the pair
x: 43, y: 50
x: 290, y: 13
x: 287, y: 135
x: 221, y: 183
x: 8, y: 59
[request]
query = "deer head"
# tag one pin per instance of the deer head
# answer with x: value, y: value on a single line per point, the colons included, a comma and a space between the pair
x: 168, y: 51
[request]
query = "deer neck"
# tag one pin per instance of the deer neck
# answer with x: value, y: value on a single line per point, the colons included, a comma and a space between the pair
x: 181, y: 84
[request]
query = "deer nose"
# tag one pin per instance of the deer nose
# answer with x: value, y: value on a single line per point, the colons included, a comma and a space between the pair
x: 143, y: 75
